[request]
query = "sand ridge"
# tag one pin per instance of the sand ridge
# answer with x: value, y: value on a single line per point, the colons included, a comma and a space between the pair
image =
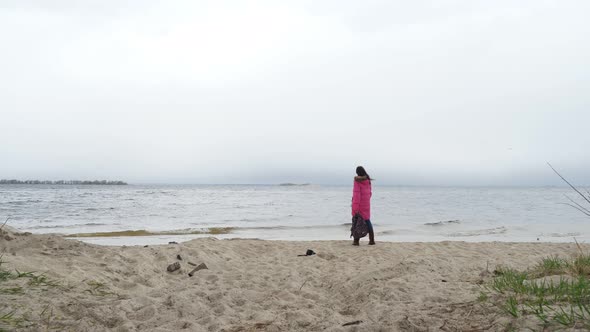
x: 256, y: 285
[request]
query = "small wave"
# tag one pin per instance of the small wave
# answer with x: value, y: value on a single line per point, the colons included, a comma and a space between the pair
x: 283, y: 227
x: 143, y: 232
x: 145, y: 192
x: 248, y: 220
x: 97, y: 209
x: 69, y: 226
x: 561, y: 234
x: 479, y: 232
x: 441, y: 223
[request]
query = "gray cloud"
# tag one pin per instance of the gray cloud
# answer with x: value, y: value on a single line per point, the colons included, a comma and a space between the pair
x: 465, y: 92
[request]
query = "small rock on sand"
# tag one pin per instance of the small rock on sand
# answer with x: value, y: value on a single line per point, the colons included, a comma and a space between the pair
x: 173, y: 267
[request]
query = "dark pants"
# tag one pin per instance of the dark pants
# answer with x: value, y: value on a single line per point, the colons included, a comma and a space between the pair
x: 369, y: 225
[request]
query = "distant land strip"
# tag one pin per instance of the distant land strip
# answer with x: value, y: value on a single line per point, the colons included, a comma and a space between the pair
x: 69, y: 182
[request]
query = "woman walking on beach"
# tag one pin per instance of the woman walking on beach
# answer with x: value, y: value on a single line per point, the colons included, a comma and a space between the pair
x: 361, y: 201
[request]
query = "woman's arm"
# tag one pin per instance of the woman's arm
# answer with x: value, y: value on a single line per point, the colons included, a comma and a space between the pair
x: 356, y: 198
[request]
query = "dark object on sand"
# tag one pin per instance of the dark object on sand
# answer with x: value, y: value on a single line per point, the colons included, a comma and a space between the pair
x: 178, y: 257
x: 172, y: 242
x: 309, y: 252
x: 145, y: 246
x: 356, y: 322
x: 191, y: 263
x: 173, y: 267
x: 201, y: 266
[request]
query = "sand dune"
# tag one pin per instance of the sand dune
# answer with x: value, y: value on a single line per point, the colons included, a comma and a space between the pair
x: 255, y: 285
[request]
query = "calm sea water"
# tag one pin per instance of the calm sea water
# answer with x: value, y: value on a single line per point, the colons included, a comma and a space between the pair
x: 294, y: 213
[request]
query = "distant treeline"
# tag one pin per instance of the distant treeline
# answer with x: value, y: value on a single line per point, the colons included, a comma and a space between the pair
x: 71, y: 182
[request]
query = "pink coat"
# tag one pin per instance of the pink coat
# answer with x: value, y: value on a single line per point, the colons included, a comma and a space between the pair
x: 361, y: 198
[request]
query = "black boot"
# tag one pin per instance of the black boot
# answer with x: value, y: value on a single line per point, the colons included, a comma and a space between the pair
x: 355, y: 242
x: 371, y: 238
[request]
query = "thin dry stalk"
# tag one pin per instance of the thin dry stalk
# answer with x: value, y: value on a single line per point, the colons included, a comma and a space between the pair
x: 579, y: 247
x: 4, y: 223
x: 302, y: 285
x: 577, y: 206
x: 571, y: 185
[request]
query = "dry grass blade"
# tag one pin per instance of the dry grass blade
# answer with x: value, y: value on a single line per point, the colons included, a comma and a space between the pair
x: 571, y: 185
x: 579, y: 246
x: 579, y: 207
x: 8, y: 218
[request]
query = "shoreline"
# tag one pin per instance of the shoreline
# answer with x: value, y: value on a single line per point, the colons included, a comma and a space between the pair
x: 316, y: 233
x: 163, y: 240
x: 260, y: 285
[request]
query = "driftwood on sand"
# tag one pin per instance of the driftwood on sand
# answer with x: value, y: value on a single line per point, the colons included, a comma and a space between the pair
x: 201, y: 266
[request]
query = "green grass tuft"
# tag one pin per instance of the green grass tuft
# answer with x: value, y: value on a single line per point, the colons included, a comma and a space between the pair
x: 483, y: 297
x: 564, y: 302
x: 9, y: 321
x: 11, y: 290
x: 511, y: 306
x: 18, y: 284
x: 42, y: 280
x: 98, y: 289
x: 551, y: 266
x: 509, y: 280
x: 4, y: 274
x: 580, y: 265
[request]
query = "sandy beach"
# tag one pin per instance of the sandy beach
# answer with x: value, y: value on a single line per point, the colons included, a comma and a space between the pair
x: 256, y: 285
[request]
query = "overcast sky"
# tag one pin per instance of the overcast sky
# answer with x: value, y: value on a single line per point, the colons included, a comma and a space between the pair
x: 419, y: 92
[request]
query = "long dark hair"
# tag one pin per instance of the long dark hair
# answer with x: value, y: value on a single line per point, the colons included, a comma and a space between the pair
x: 360, y: 171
